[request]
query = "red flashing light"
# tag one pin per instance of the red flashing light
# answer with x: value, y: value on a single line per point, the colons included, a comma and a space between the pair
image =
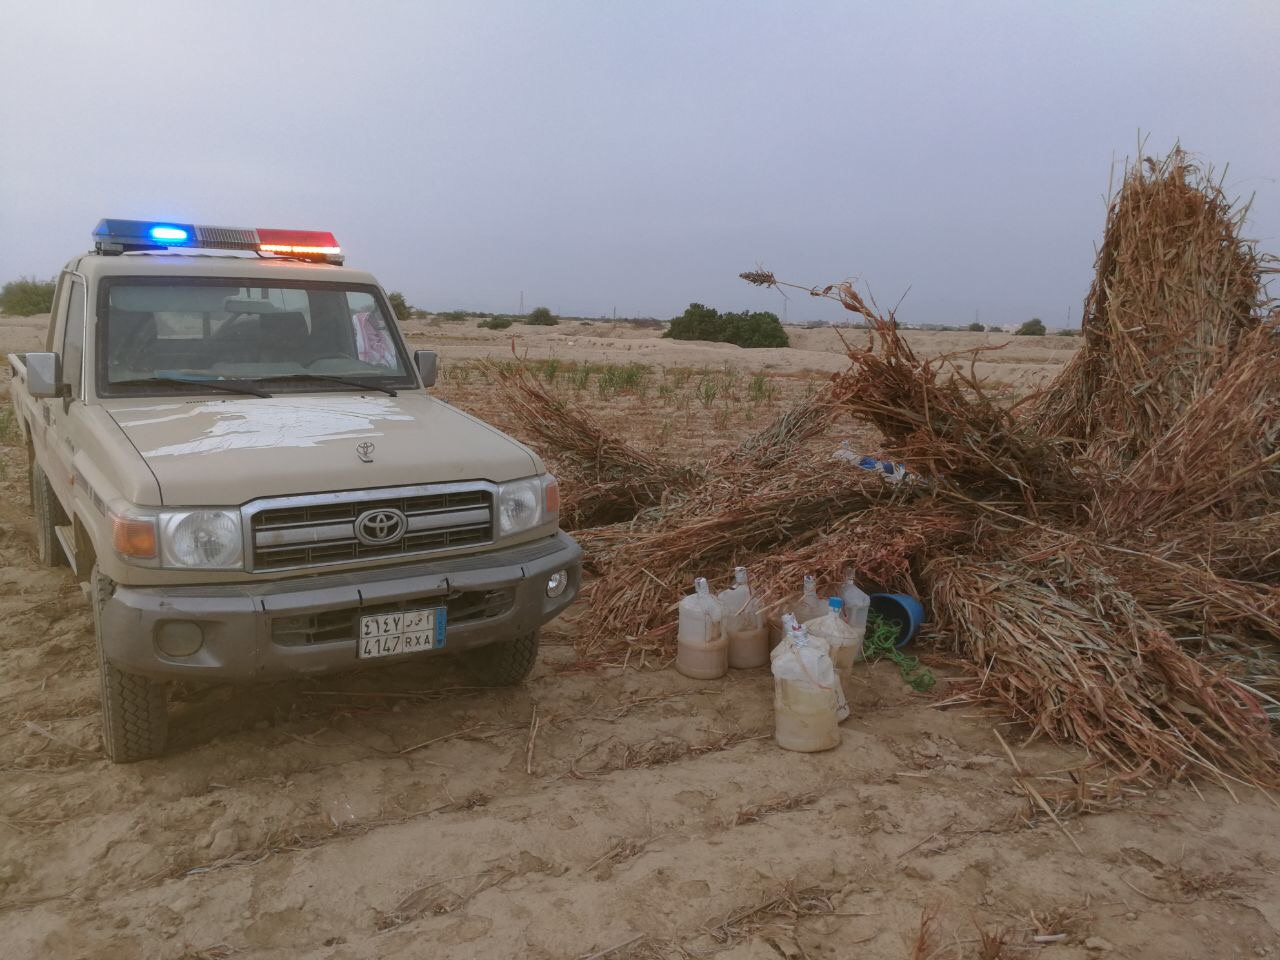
x: 298, y: 242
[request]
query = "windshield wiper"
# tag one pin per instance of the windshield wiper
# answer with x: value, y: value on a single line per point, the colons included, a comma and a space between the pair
x: 345, y: 381
x: 226, y: 386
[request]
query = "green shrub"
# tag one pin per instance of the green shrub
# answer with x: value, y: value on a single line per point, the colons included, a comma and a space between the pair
x: 975, y: 328
x: 494, y: 323
x: 1068, y: 333
x: 541, y: 317
x: 746, y: 329
x: 27, y: 296
x: 1032, y: 328
x: 400, y: 306
x: 698, y: 322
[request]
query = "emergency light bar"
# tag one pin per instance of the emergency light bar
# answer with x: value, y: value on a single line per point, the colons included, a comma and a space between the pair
x: 120, y: 236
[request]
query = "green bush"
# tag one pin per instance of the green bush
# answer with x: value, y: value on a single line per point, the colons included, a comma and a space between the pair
x: 746, y: 329
x: 494, y: 323
x: 1068, y: 333
x: 27, y: 296
x: 1032, y: 328
x: 541, y: 317
x: 975, y: 328
x: 400, y: 305
x: 698, y: 322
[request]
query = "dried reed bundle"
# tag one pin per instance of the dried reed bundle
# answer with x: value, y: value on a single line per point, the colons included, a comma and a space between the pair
x: 1175, y: 290
x: 1078, y: 658
x: 603, y: 477
x: 1218, y: 456
x: 935, y: 414
x: 806, y: 419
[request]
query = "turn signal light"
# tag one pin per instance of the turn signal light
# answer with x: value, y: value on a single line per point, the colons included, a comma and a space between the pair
x: 134, y: 538
x: 551, y: 501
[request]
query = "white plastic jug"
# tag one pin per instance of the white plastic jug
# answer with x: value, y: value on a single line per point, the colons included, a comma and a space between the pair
x: 844, y: 641
x: 810, y: 605
x: 792, y: 628
x: 744, y: 625
x: 804, y: 696
x: 856, y: 605
x: 702, y: 649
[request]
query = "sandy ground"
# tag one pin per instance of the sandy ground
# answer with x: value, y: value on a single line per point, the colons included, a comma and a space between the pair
x: 638, y: 814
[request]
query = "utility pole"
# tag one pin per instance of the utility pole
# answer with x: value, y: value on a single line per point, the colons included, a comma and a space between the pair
x: 522, y: 303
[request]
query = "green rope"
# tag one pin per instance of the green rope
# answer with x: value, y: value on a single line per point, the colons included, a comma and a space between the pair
x: 881, y: 643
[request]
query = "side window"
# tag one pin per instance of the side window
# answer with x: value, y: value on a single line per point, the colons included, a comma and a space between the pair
x: 56, y: 318
x: 73, y: 338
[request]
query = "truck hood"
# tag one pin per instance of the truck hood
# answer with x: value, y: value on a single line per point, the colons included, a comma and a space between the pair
x: 230, y: 451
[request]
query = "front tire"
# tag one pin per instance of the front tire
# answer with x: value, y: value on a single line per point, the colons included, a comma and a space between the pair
x: 47, y: 513
x: 503, y: 664
x: 135, y: 709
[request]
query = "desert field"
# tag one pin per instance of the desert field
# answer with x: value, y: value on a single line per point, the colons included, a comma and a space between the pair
x: 598, y: 815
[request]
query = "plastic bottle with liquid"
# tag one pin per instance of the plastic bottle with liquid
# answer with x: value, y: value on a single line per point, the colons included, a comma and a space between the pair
x: 792, y: 626
x: 744, y: 625
x: 702, y: 649
x: 844, y: 642
x: 804, y: 695
x: 856, y: 607
x: 810, y: 604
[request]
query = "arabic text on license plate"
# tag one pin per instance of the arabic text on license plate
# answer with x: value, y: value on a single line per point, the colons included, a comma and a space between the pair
x: 390, y: 634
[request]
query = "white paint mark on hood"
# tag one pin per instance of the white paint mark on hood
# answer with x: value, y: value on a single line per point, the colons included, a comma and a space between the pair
x: 274, y: 422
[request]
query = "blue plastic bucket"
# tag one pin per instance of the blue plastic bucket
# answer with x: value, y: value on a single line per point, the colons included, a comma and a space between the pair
x: 900, y: 608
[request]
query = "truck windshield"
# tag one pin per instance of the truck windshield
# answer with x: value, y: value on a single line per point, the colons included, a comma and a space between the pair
x: 168, y: 336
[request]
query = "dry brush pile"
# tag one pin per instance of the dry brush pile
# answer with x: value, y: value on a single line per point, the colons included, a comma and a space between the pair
x: 1104, y: 554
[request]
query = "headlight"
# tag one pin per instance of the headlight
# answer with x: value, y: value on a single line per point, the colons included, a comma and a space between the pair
x: 203, y: 539
x: 197, y: 539
x: 525, y: 504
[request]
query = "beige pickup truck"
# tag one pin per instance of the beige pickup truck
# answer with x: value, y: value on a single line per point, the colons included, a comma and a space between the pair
x: 242, y: 463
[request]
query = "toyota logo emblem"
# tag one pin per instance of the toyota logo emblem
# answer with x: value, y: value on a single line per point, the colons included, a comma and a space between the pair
x: 377, y: 528
x: 365, y: 451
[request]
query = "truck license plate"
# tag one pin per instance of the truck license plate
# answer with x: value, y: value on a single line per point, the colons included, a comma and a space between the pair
x: 391, y: 634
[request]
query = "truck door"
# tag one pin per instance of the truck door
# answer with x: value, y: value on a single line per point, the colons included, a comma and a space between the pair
x: 58, y: 412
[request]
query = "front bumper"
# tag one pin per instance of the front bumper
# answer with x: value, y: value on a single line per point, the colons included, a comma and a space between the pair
x: 287, y: 627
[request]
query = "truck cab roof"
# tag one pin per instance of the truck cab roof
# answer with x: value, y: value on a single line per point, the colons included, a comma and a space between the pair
x: 164, y: 264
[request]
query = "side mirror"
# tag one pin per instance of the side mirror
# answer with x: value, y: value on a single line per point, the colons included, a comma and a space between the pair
x: 44, y: 375
x: 426, y: 361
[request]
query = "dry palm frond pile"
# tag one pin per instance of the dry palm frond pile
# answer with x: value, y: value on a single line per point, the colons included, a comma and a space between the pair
x: 1105, y: 554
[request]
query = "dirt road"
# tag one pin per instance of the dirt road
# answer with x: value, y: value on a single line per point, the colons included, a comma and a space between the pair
x: 635, y: 814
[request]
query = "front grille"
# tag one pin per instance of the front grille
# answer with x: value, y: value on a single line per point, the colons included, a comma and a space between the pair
x: 308, y: 533
x: 336, y: 626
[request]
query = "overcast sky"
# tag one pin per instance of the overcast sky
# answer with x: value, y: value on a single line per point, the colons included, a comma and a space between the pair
x: 636, y: 155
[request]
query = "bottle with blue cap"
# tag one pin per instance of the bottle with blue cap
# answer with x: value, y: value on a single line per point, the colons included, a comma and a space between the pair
x: 844, y: 642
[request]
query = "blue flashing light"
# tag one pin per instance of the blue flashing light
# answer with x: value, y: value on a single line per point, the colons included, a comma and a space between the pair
x: 120, y: 235
x: 163, y: 233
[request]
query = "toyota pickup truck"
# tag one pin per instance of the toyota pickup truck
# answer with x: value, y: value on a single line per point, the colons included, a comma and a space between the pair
x: 242, y: 464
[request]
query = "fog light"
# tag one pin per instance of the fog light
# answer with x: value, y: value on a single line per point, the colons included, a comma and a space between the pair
x: 180, y: 638
x: 558, y: 583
